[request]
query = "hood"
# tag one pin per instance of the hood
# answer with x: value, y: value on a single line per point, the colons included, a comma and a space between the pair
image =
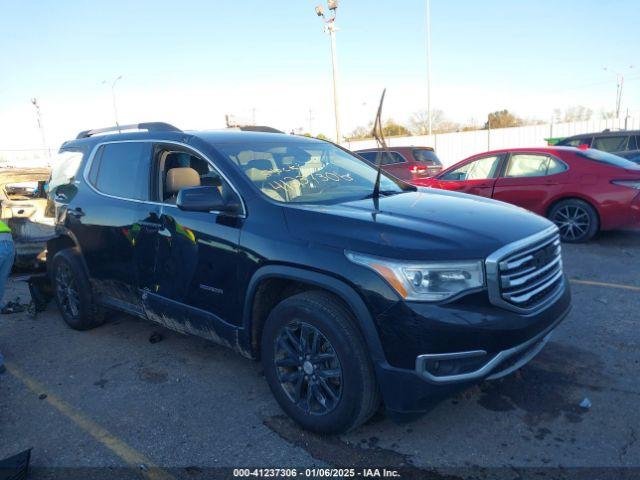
x: 423, y: 225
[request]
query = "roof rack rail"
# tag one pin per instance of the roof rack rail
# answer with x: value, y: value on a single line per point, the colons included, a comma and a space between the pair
x: 149, y: 127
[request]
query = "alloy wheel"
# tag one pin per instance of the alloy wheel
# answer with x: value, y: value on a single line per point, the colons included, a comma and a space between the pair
x: 308, y: 368
x: 573, y: 221
x: 67, y: 291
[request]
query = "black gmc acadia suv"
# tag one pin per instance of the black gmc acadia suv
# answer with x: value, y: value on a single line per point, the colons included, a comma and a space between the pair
x: 282, y: 248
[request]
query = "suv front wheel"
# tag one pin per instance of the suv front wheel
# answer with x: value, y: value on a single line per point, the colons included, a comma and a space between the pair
x: 73, y: 292
x: 316, y: 364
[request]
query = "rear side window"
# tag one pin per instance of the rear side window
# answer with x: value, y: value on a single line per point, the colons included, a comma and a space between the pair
x: 616, y: 143
x: 426, y: 155
x: 576, y: 142
x: 387, y: 158
x: 122, y: 170
x: 64, y: 168
x: 608, y: 159
x: 529, y: 165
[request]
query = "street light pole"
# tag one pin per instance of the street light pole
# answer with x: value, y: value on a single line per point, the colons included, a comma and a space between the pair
x: 34, y: 101
x: 331, y: 29
x: 113, y: 98
x: 334, y: 61
x: 429, y: 67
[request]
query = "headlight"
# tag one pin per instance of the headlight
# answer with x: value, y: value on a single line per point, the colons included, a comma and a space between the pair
x: 428, y: 281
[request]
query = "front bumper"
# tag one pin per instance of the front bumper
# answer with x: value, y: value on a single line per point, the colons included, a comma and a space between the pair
x: 484, y: 342
x: 490, y: 367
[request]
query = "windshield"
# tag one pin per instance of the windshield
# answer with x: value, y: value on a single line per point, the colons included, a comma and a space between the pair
x: 307, y: 172
x: 609, y: 159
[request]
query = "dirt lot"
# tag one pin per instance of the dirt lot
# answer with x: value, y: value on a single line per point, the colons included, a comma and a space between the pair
x: 184, y: 408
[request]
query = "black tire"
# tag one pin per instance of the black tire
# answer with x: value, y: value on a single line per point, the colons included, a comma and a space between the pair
x: 577, y: 220
x: 356, y: 396
x: 72, y: 291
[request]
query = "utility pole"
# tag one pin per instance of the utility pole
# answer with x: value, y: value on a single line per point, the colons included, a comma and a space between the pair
x: 619, y: 88
x: 34, y: 102
x: 430, y: 121
x: 113, y: 98
x: 331, y: 29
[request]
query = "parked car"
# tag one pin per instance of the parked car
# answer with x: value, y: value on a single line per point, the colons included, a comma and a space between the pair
x: 275, y: 245
x: 581, y: 190
x: 624, y: 143
x: 405, y: 163
x: 23, y: 201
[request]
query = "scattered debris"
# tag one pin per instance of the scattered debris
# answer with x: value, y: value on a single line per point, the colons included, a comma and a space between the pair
x: 143, y: 467
x: 156, y: 337
x: 14, y: 307
x: 585, y: 404
x: 42, y: 396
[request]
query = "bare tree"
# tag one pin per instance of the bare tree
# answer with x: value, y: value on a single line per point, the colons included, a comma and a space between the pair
x: 419, y: 123
x: 577, y: 113
x: 361, y: 133
x: 608, y: 114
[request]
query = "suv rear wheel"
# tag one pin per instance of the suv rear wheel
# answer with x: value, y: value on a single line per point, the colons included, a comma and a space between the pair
x: 73, y: 292
x: 316, y: 364
x: 576, y: 219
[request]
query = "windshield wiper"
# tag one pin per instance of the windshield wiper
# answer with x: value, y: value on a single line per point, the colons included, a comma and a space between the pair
x: 384, y: 193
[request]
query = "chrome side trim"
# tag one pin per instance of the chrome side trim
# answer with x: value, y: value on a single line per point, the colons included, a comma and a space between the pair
x: 490, y: 366
x: 92, y: 155
x: 523, y: 361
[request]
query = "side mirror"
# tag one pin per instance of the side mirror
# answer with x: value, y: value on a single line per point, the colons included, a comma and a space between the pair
x: 204, y: 199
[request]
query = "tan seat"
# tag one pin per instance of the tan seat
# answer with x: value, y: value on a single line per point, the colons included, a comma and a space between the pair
x: 179, y: 178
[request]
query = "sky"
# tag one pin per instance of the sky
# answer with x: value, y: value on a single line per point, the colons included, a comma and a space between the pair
x: 191, y: 62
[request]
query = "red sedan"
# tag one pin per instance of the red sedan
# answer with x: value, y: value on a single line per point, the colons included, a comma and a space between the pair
x: 581, y: 190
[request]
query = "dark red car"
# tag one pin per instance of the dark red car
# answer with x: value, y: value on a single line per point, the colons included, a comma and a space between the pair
x: 581, y: 190
x: 405, y: 163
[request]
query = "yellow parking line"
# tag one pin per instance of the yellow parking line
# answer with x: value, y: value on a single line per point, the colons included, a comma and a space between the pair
x: 604, y: 284
x: 130, y: 456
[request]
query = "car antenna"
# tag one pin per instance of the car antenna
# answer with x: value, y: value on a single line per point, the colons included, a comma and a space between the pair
x: 378, y: 134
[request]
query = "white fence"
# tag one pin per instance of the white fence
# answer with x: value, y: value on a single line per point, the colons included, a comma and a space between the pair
x: 453, y: 147
x: 26, y: 158
x: 450, y: 147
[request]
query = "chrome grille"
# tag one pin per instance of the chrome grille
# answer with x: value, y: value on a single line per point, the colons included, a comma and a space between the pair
x: 526, y: 275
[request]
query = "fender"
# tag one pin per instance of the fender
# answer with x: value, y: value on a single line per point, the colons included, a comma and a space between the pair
x: 62, y: 231
x: 339, y: 288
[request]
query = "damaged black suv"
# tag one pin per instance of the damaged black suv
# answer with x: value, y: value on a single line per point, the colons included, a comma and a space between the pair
x: 352, y: 291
